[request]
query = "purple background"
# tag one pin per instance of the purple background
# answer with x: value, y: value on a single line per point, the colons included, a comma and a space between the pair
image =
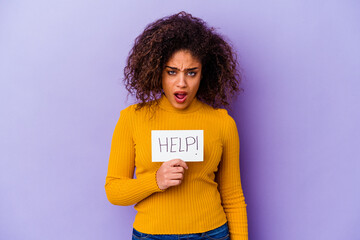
x: 61, y: 66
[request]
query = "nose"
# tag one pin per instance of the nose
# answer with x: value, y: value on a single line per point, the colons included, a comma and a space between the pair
x: 181, y: 81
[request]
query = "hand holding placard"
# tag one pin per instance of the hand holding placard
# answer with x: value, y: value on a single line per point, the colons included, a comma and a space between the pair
x: 170, y: 173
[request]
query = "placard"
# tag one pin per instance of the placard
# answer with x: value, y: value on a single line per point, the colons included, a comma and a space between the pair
x: 187, y: 145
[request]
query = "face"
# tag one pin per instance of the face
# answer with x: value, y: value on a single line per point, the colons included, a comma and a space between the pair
x: 181, y: 79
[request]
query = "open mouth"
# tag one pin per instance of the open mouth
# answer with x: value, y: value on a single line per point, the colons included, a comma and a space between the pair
x: 180, y: 97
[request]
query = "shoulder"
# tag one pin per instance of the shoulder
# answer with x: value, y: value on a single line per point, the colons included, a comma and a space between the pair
x: 222, y: 121
x: 129, y: 110
x: 134, y: 109
x: 135, y: 113
x: 218, y: 114
x: 227, y: 122
x: 128, y: 118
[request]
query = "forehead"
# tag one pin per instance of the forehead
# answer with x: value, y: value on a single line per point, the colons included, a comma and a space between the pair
x: 183, y: 58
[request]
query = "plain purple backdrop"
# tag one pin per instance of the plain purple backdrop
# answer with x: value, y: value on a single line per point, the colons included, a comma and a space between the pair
x: 61, y: 65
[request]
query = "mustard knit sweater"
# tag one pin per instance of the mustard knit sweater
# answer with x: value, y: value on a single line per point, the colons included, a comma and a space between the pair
x: 210, y: 193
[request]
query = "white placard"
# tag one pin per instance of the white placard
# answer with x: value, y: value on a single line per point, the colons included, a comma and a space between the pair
x: 188, y: 145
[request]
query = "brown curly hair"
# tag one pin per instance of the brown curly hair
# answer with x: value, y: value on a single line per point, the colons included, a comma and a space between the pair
x: 181, y: 31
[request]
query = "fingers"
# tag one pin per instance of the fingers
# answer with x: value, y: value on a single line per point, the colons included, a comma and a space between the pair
x: 175, y: 170
x: 166, y: 181
x: 176, y: 176
x: 172, y: 183
x: 171, y: 173
x: 178, y: 162
x: 178, y: 170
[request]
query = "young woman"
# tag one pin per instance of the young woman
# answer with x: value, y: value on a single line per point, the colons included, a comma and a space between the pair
x: 182, y: 72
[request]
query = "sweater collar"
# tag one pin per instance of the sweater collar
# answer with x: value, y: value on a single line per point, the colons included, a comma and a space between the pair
x: 165, y: 104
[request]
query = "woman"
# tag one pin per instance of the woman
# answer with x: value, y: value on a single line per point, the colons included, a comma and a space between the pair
x: 181, y: 72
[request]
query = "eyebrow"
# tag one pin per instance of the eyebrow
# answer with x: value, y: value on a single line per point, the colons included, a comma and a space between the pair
x: 188, y: 69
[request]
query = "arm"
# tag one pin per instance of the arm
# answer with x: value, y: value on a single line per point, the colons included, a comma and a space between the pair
x: 228, y: 178
x: 120, y: 187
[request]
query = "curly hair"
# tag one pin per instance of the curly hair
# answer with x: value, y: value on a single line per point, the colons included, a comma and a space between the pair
x: 161, y: 39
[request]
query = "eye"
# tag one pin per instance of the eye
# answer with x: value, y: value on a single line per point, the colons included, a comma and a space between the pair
x: 191, y: 74
x: 171, y: 72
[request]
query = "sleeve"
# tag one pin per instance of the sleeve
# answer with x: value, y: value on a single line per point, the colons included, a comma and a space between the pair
x: 120, y: 187
x: 229, y: 183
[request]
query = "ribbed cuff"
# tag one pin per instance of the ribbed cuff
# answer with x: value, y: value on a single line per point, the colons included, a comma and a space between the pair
x: 149, y: 182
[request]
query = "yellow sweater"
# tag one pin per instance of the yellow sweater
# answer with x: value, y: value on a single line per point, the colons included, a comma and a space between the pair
x: 210, y: 193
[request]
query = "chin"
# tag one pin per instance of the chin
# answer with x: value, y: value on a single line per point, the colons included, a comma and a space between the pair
x: 181, y: 107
